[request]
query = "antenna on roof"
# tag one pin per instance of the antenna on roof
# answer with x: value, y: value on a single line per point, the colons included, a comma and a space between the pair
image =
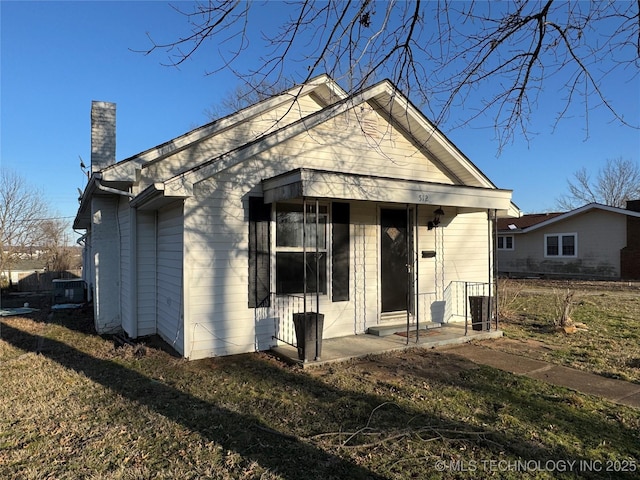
x: 83, y: 167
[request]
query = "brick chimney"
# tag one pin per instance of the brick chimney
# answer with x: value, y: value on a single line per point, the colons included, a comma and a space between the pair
x: 103, y: 135
x: 633, y: 205
x: 630, y: 255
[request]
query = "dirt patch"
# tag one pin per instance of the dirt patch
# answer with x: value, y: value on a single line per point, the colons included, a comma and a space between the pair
x: 427, y: 364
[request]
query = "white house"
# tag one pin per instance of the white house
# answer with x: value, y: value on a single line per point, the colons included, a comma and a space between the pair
x: 201, y: 241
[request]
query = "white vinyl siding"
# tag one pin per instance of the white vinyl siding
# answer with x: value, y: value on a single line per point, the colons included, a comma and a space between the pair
x: 467, y: 247
x: 146, y: 272
x: 216, y: 246
x: 364, y: 278
x: 124, y: 239
x: 169, y: 277
x: 218, y: 321
x: 225, y: 141
x: 105, y: 251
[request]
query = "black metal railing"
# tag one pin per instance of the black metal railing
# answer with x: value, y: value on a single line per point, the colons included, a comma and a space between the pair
x: 462, y: 297
x: 280, y: 308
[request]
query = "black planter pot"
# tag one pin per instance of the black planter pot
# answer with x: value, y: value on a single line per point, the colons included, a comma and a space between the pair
x: 309, y: 327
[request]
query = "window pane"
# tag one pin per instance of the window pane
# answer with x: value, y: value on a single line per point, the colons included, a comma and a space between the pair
x: 290, y: 273
x: 552, y: 245
x: 500, y: 242
x: 568, y: 245
x: 311, y: 231
x: 289, y: 226
x: 509, y: 242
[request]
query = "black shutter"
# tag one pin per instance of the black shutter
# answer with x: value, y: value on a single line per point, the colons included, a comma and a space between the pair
x: 340, y: 252
x: 259, y: 255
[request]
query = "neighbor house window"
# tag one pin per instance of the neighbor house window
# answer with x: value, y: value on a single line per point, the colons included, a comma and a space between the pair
x: 561, y: 245
x: 505, y: 242
x: 291, y: 232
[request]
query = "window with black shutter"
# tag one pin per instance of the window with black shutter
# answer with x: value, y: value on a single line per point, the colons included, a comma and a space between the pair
x: 259, y: 254
x: 300, y: 237
x: 340, y: 252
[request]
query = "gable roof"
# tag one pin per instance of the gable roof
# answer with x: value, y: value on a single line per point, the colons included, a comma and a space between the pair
x: 383, y: 97
x: 387, y: 100
x: 324, y: 89
x: 530, y: 222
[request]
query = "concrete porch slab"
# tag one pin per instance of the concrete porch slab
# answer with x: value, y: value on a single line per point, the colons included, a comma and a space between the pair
x: 355, y: 346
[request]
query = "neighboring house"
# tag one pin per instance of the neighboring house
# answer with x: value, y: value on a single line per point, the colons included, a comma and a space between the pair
x: 22, y: 268
x: 593, y: 241
x: 204, y: 239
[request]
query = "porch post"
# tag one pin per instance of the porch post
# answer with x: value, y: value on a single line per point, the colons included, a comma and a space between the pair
x: 304, y: 256
x: 466, y: 312
x: 495, y: 260
x: 417, y: 276
x: 491, y: 269
x: 317, y: 279
x: 409, y: 272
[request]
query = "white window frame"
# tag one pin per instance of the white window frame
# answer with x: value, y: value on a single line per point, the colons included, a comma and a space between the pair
x: 311, y: 249
x: 504, y: 237
x: 560, y: 237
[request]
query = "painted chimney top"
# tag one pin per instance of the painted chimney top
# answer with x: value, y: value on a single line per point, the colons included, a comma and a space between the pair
x: 103, y: 135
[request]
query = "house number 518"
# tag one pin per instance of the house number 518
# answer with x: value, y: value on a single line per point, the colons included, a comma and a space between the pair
x: 423, y: 197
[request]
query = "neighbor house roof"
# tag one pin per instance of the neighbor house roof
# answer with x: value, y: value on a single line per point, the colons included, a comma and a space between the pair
x: 527, y: 223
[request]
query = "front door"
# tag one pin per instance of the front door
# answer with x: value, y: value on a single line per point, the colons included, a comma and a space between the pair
x: 394, y: 260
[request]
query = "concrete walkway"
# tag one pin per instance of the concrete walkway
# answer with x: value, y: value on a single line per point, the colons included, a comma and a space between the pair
x: 618, y: 391
x: 452, y: 339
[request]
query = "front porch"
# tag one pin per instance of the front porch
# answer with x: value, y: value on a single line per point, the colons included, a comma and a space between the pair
x: 341, y: 349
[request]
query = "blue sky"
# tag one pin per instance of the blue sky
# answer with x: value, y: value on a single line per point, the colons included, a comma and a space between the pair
x: 56, y: 57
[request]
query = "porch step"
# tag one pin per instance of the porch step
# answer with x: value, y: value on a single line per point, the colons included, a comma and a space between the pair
x: 385, y: 330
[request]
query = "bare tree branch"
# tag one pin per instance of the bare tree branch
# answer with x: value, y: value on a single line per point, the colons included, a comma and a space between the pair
x: 614, y: 184
x: 21, y: 212
x: 499, y: 57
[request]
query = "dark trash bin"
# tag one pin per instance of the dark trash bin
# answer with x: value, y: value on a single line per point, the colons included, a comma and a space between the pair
x: 480, y: 312
x: 307, y: 324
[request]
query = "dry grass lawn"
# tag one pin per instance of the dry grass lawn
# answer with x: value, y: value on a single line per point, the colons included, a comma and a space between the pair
x: 75, y: 405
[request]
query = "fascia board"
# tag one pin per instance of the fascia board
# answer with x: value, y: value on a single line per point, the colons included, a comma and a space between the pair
x: 346, y: 186
x: 235, y: 119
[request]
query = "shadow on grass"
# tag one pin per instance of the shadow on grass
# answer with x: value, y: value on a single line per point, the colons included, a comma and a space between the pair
x: 283, y: 453
x: 177, y: 405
